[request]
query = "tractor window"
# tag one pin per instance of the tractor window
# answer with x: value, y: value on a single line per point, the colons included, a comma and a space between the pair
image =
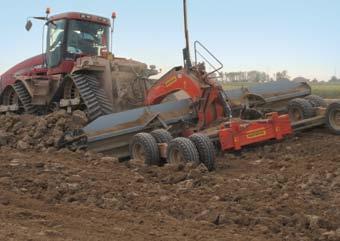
x: 55, y: 39
x: 87, y: 38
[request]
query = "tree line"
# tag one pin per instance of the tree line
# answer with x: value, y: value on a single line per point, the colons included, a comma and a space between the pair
x: 261, y: 77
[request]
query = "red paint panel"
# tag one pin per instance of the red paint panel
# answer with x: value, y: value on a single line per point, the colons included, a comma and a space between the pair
x: 64, y: 67
x: 23, y: 68
x: 172, y: 82
x: 239, y: 134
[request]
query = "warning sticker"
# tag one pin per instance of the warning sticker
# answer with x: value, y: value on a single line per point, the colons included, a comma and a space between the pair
x: 256, y: 133
x: 170, y: 81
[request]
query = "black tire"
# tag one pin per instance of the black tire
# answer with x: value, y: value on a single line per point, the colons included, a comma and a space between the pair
x: 316, y: 101
x: 251, y: 114
x: 162, y: 136
x: 182, y: 150
x: 144, y: 147
x: 205, y: 148
x: 300, y: 109
x: 333, y: 117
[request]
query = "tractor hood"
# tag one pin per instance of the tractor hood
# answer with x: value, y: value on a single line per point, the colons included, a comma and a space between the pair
x: 25, y: 67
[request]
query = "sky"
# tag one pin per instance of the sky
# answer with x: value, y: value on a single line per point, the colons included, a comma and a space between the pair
x: 301, y: 36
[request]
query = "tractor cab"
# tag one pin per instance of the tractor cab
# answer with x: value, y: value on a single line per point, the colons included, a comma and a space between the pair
x: 75, y: 34
x: 72, y: 35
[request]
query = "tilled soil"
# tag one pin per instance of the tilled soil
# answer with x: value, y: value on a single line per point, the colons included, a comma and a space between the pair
x: 277, y: 191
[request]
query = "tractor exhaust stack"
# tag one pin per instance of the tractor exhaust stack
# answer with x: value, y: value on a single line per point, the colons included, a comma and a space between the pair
x: 186, y: 50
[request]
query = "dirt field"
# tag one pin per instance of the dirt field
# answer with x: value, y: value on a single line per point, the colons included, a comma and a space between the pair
x: 279, y: 191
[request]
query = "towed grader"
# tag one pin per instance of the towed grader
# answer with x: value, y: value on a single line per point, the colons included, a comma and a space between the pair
x: 200, y: 127
x: 131, y: 115
x: 209, y: 119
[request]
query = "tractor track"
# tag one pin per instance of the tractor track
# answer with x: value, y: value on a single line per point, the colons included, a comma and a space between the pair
x: 93, y: 95
x: 24, y: 97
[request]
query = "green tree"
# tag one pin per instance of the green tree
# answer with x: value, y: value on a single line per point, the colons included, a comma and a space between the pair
x: 334, y: 79
x: 282, y: 75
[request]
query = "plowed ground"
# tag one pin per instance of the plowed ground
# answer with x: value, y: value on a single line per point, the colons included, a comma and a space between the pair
x: 278, y: 191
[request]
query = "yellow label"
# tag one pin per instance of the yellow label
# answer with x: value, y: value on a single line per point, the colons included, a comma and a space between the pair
x: 170, y: 81
x: 256, y: 133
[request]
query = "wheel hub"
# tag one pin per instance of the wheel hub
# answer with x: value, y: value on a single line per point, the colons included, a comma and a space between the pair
x: 295, y: 114
x: 177, y: 157
x: 334, y: 118
x: 138, y: 152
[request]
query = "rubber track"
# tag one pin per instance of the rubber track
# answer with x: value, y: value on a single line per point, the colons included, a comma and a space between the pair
x: 93, y: 95
x: 24, y: 97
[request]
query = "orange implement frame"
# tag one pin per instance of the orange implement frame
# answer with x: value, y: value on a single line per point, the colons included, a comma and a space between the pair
x: 235, y: 134
x: 195, y: 83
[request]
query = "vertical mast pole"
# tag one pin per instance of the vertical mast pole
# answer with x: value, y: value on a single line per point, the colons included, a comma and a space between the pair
x: 186, y: 51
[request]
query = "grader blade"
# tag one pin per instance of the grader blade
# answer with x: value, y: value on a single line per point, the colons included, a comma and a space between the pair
x: 112, y: 133
x: 268, y: 97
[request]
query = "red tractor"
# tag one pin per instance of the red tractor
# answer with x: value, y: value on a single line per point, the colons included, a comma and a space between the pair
x: 76, y: 71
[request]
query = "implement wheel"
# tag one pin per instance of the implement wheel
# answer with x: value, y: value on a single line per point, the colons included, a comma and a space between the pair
x: 206, y: 149
x: 162, y: 136
x: 333, y: 117
x: 316, y: 101
x: 182, y: 150
x: 300, y: 109
x: 144, y: 147
x: 251, y: 114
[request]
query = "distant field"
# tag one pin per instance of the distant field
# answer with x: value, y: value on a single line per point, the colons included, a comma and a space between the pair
x: 325, y: 90
x: 331, y: 91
